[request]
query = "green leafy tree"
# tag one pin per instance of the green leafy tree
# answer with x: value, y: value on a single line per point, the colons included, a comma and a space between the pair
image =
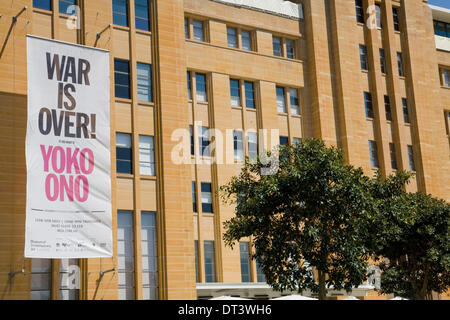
x: 311, y: 212
x: 412, y: 235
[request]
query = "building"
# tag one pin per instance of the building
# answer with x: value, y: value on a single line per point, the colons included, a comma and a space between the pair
x: 377, y: 85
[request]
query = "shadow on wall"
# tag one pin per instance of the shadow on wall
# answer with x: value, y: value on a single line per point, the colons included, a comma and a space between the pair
x: 13, y: 121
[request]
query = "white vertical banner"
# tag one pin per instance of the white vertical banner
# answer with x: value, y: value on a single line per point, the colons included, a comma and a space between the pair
x: 68, y: 208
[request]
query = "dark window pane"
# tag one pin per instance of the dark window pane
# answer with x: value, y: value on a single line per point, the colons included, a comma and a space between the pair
x: 382, y: 61
x: 276, y: 46
x: 412, y: 165
x: 393, y: 156
x: 396, y: 19
x: 405, y: 110
x: 141, y: 13
x: 284, y: 140
x: 122, y: 78
x: 235, y: 92
x: 42, y: 4
x: 359, y: 11
x: 249, y: 95
x: 373, y: 154
x: 65, y: 4
x: 363, y: 57
x: 368, y: 105
x: 120, y: 12
x: 245, y: 261
x: 387, y: 107
x: 209, y: 261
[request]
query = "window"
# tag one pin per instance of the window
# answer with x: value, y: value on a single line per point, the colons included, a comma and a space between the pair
x: 260, y: 277
x: 210, y: 273
x: 368, y: 105
x: 441, y: 28
x: 197, y: 273
x: 149, y: 245
x: 373, y: 154
x: 122, y: 78
x: 252, y: 145
x: 232, y: 37
x: 387, y: 107
x: 363, y: 57
x: 393, y: 156
x: 41, y: 279
x: 447, y: 121
x: 400, y: 64
x: 245, y: 261
x: 235, y: 93
x: 295, y: 141
x: 147, y: 155
x: 289, y: 47
x: 201, y: 87
x: 293, y: 98
x: 249, y: 95
x: 238, y: 145
x: 412, y: 165
x: 191, y: 131
x: 445, y: 77
x: 186, y: 28
x: 194, y: 197
x: 120, y: 12
x: 359, y: 11
x: 189, y: 85
x: 65, y: 4
x: 396, y: 19
x: 281, y: 101
x: 65, y: 293
x: 290, y: 51
x: 141, y: 13
x: 405, y: 110
x: 246, y: 39
x: 206, y: 198
x: 204, y: 141
x: 277, y: 46
x: 383, y: 61
x: 123, y: 153
x: 125, y: 255
x: 42, y: 4
x: 378, y: 15
x: 199, y: 33
x: 284, y: 141
x: 144, y: 82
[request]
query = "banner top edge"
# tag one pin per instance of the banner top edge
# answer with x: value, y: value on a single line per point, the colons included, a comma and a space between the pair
x: 65, y: 42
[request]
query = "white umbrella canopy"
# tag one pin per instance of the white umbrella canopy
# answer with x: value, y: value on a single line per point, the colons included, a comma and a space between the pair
x: 398, y: 298
x: 228, y: 298
x: 294, y: 297
x: 351, y: 298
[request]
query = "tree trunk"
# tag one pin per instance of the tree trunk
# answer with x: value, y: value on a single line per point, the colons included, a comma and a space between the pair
x: 322, y: 288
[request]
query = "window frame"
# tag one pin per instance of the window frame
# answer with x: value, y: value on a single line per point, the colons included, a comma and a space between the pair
x: 411, y: 155
x: 115, y: 13
x: 123, y: 73
x: 363, y: 58
x: 373, y: 152
x: 151, y: 151
x: 368, y: 105
x: 67, y: 4
x: 38, y: 5
x: 130, y: 150
x: 405, y: 109
x: 136, y: 17
x: 149, y: 78
x: 359, y: 8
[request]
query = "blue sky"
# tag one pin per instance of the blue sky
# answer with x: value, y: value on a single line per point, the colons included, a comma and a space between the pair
x: 440, y: 3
